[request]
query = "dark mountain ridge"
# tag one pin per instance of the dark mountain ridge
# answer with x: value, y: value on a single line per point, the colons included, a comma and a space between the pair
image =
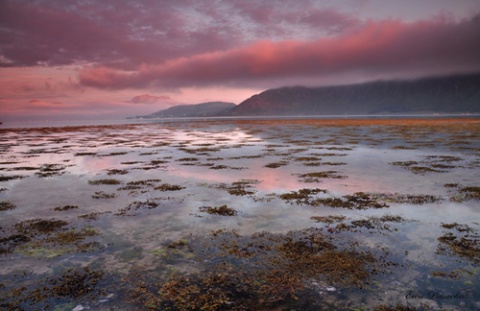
x: 452, y: 94
x: 197, y: 110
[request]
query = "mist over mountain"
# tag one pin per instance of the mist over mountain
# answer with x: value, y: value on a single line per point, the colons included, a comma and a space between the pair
x: 197, y: 110
x: 452, y: 94
x: 443, y: 95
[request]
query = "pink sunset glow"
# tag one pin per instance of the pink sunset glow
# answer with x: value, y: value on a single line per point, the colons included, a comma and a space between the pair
x: 113, y: 59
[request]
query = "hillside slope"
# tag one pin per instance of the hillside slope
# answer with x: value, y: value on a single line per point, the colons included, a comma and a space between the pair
x: 197, y: 110
x: 454, y: 94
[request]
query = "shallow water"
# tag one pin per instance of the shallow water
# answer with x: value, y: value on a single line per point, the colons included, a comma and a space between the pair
x: 137, y: 191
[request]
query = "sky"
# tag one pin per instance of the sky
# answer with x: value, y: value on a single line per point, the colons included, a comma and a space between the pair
x: 87, y: 59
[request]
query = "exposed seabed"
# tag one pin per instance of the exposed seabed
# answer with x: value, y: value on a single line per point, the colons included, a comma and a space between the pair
x: 333, y: 214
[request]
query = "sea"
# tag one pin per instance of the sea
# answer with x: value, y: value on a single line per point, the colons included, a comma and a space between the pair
x: 258, y: 213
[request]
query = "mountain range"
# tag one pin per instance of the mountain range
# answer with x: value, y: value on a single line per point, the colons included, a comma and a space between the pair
x: 191, y: 111
x: 443, y: 95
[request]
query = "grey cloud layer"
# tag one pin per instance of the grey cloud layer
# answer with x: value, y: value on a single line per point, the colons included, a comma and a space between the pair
x: 181, y: 43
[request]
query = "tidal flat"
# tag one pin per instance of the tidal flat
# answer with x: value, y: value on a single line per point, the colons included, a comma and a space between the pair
x: 331, y: 214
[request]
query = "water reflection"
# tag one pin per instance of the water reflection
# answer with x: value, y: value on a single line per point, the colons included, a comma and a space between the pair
x: 142, y: 186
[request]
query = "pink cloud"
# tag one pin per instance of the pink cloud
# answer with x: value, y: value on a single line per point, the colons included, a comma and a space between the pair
x: 329, y: 20
x: 126, y: 34
x: 389, y: 47
x: 149, y: 99
x: 43, y: 104
x: 119, y: 34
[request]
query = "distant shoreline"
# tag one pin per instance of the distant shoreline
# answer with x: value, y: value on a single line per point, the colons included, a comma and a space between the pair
x: 359, y: 119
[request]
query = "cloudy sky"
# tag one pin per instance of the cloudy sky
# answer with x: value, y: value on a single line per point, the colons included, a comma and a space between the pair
x: 82, y: 59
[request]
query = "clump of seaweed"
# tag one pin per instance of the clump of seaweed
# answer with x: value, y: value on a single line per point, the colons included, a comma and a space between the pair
x: 460, y: 193
x: 358, y: 200
x: 114, y: 154
x: 417, y: 199
x: 178, y: 244
x: 302, y: 196
x: 470, y: 193
x: 433, y: 164
x: 136, y: 205
x: 158, y: 162
x: 210, y: 291
x: 103, y: 195
x: 397, y: 307
x: 311, y: 164
x: 391, y: 218
x: 173, y: 251
x: 276, y: 164
x: 188, y: 160
x: 48, y: 238
x: 238, y: 188
x: 465, y: 244
x: 105, y: 182
x: 140, y: 184
x: 403, y: 147
x: 260, y: 271
x: 246, y: 157
x: 65, y: 208
x: 333, y: 163
x: 9, y: 243
x: 48, y: 170
x: 24, y: 168
x: 223, y: 210
x: 116, y: 172
x: 307, y: 159
x: 329, y: 154
x: 242, y: 187
x: 329, y: 219
x: 344, y: 268
x: 71, y: 236
x: 12, y: 177
x: 44, y: 226
x: 82, y: 154
x: 451, y: 185
x: 9, y: 162
x: 37, y: 151
x: 443, y: 158
x: 143, y: 205
x: 92, y: 216
x: 223, y: 167
x: 458, y: 227
x: 378, y: 223
x: 6, y: 205
x: 131, y: 162
x: 404, y: 164
x: 73, y: 285
x: 317, y: 176
x: 424, y: 169
x: 362, y: 200
x: 169, y: 187
x: 340, y: 148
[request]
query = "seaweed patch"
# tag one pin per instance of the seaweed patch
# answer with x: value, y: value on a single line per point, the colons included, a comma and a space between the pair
x: 6, y: 205
x: 109, y: 181
x: 318, y: 176
x: 461, y: 240
x: 223, y: 210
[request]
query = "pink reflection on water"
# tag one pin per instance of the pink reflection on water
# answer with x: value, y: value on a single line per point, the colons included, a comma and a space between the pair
x: 93, y: 164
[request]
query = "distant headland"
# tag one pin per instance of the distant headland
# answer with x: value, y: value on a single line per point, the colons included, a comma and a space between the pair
x: 459, y: 94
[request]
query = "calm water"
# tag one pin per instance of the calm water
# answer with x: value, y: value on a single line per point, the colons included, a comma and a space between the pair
x: 128, y: 216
